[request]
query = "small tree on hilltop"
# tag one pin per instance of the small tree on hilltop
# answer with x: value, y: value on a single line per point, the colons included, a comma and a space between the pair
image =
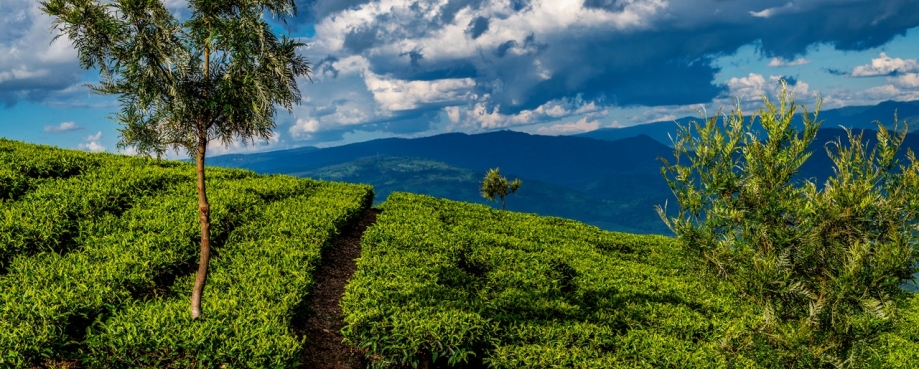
x: 823, y: 266
x: 217, y: 75
x: 494, y: 185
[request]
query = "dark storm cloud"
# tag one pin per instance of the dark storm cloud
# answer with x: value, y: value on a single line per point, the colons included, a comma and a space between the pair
x: 520, y: 58
x: 312, y: 10
x: 836, y: 72
x: 609, y: 5
x: 477, y: 27
x: 845, y: 25
x: 361, y: 39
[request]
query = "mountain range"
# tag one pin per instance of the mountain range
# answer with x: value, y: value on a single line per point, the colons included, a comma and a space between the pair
x: 609, y: 178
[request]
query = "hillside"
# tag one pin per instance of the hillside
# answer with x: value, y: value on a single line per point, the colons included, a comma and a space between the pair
x: 599, y: 182
x: 99, y: 253
x: 389, y: 174
x: 443, y: 282
x: 611, y: 184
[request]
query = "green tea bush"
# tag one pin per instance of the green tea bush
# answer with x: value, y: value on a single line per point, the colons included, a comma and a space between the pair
x: 38, y: 161
x: 49, y: 217
x: 122, y: 258
x: 87, y: 247
x: 448, y: 282
x: 256, y: 285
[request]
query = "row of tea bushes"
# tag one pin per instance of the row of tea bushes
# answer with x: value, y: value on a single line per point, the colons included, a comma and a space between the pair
x: 255, y: 289
x: 449, y: 282
x: 452, y: 282
x: 51, y: 215
x: 446, y: 282
x: 29, y: 161
x: 47, y: 300
x: 92, y: 242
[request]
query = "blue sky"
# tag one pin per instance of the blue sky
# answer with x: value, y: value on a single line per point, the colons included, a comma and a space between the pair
x: 409, y: 68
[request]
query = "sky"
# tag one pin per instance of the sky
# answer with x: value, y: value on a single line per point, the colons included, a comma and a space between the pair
x: 412, y: 68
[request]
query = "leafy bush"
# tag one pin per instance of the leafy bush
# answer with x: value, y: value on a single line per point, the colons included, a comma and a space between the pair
x: 449, y: 282
x: 823, y: 264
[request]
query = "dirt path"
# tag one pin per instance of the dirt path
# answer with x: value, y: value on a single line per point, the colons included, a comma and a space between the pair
x: 323, y: 348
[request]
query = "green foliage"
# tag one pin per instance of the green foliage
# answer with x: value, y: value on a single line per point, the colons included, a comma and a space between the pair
x: 447, y: 282
x: 218, y: 75
x: 823, y: 265
x: 254, y: 291
x: 494, y: 185
x: 112, y: 297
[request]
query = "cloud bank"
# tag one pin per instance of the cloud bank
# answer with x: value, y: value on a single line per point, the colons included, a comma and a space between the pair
x: 406, y: 67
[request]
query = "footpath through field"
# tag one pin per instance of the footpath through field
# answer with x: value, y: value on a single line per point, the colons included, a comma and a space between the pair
x: 324, y: 347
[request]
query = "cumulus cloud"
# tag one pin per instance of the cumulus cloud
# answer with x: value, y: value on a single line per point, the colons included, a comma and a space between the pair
x: 581, y: 125
x: 393, y: 94
x: 403, y: 67
x: 781, y: 62
x: 906, y: 80
x: 884, y: 66
x: 218, y: 147
x: 31, y: 65
x: 91, y: 143
x: 63, y: 127
x: 755, y: 86
x: 304, y: 127
x: 480, y: 117
x: 486, y: 64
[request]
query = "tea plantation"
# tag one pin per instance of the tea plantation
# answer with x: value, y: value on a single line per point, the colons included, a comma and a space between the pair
x: 443, y: 282
x: 98, y: 254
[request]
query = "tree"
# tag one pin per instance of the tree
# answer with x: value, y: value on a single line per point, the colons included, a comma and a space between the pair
x: 823, y: 265
x: 182, y: 84
x: 494, y: 185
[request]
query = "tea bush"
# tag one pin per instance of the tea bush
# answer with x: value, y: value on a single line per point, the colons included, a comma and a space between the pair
x: 99, y: 247
x: 448, y: 282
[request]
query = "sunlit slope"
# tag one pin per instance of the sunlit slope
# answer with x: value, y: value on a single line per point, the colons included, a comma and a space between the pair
x: 448, y: 282
x: 98, y: 252
x: 512, y: 290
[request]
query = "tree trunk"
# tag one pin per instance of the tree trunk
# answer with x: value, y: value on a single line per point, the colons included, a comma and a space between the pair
x: 204, y: 211
x: 502, y: 202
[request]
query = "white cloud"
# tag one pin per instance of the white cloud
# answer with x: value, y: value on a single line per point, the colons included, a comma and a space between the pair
x: 766, y: 13
x: 453, y: 113
x: 393, y: 94
x: 63, y: 127
x: 888, y: 92
x: 29, y: 60
x: 781, y: 62
x: 480, y: 116
x: 885, y: 65
x: 905, y: 81
x: 218, y: 147
x: 304, y: 128
x: 581, y: 125
x: 755, y: 86
x: 91, y: 143
x: 130, y: 151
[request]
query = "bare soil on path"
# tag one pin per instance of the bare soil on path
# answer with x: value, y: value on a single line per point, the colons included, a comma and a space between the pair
x: 322, y: 326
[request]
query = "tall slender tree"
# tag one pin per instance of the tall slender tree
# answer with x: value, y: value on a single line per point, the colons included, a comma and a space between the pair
x: 217, y: 75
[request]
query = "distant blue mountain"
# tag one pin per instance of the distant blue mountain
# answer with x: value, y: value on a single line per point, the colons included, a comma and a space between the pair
x: 573, y: 177
x: 855, y: 117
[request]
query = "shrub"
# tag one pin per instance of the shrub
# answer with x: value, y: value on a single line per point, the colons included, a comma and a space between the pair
x: 822, y: 263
